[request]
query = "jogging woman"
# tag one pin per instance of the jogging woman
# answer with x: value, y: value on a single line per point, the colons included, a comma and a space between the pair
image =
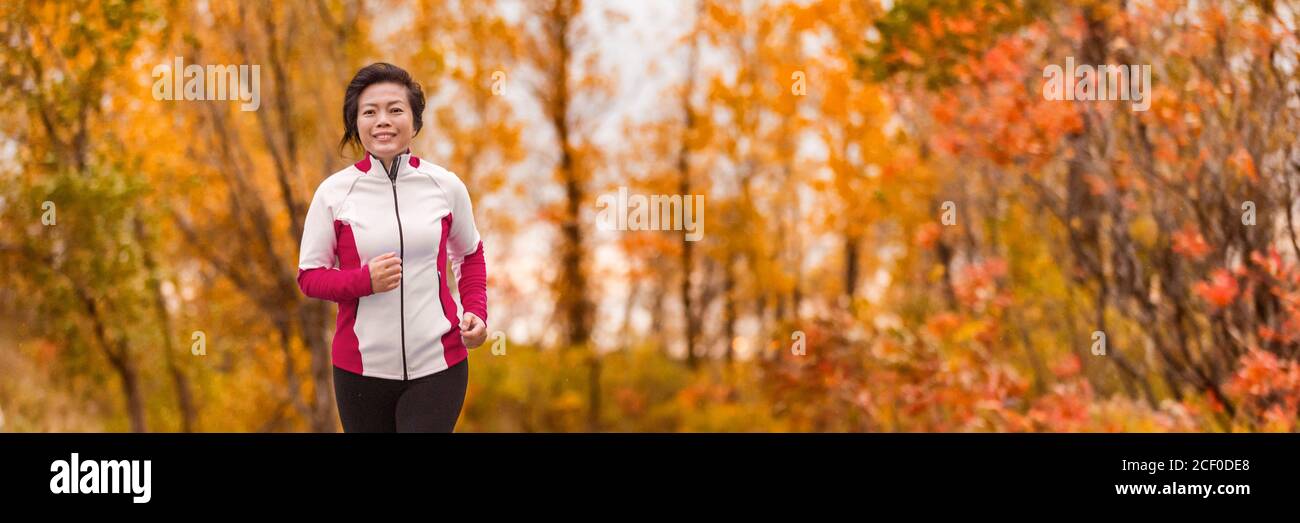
x: 377, y: 240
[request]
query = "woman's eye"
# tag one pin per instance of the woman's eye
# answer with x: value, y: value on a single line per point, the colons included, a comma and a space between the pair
x: 368, y: 113
x: 397, y: 110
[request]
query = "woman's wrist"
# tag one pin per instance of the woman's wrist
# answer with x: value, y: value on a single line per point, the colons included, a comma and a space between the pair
x: 369, y: 282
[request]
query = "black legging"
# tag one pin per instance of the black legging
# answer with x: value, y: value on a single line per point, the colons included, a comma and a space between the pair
x: 428, y: 404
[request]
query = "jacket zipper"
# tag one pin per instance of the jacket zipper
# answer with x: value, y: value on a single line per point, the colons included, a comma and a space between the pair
x: 401, y: 254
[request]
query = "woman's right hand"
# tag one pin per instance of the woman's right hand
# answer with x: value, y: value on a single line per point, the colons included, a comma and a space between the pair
x: 385, y: 272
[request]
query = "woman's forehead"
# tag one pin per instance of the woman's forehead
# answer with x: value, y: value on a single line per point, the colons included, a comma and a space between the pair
x: 383, y: 93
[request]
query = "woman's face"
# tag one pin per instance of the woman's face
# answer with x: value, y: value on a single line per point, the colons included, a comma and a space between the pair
x: 384, y: 120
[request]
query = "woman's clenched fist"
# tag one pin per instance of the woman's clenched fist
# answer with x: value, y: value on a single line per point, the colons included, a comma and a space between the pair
x: 385, y: 272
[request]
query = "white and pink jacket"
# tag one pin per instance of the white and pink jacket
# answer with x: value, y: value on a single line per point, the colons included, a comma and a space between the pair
x: 423, y: 214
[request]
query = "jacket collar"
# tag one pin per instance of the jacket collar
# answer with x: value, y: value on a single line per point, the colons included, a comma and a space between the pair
x: 371, y: 165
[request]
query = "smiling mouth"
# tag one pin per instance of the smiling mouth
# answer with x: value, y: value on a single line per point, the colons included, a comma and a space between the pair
x: 384, y: 136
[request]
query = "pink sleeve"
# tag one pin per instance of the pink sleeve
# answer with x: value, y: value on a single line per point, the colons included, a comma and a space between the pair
x: 473, y: 284
x: 465, y: 246
x: 336, y: 285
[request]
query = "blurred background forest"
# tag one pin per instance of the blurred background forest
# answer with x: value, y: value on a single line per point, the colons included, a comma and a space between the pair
x: 830, y: 138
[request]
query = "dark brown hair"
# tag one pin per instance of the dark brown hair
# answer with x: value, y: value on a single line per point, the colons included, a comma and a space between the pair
x: 379, y: 72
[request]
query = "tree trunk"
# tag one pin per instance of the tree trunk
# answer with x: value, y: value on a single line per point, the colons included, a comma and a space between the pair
x: 180, y: 382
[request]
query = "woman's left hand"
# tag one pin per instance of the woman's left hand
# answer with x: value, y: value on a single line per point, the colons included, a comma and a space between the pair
x: 472, y: 330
